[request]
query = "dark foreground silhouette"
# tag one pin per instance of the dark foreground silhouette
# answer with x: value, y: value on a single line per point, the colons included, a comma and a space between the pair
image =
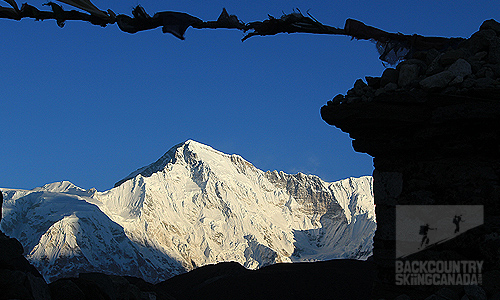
x: 335, y: 279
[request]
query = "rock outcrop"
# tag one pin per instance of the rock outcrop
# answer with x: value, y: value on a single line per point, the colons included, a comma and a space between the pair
x: 432, y: 126
x: 19, y: 279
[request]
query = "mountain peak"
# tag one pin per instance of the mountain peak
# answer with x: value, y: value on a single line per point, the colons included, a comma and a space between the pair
x: 157, y: 165
x: 187, y: 150
x: 62, y: 187
x: 193, y: 206
x: 194, y: 143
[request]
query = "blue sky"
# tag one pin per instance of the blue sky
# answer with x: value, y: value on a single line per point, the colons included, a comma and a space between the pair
x: 90, y: 104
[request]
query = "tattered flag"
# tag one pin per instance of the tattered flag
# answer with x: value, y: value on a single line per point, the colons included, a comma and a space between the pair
x: 176, y: 23
x: 87, y: 6
x: 13, y: 4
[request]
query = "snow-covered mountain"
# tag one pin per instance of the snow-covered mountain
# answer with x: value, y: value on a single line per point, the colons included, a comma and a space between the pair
x: 192, y: 207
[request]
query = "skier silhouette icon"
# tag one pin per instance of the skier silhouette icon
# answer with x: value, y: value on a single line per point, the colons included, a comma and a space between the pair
x: 424, y: 230
x: 456, y: 220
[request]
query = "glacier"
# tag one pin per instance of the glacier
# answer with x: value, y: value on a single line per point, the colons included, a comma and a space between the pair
x: 192, y: 207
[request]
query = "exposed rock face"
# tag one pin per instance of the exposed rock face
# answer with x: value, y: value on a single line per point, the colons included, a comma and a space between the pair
x: 432, y: 125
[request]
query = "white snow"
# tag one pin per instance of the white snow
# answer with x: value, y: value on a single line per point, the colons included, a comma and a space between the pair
x: 192, y: 207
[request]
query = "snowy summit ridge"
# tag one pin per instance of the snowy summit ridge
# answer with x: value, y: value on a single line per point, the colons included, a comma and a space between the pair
x: 193, y: 206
